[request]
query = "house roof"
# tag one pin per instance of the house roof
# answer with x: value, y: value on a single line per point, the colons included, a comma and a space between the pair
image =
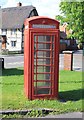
x: 14, y: 17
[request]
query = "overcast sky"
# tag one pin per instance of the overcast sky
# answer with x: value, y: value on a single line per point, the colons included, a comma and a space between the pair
x: 48, y: 8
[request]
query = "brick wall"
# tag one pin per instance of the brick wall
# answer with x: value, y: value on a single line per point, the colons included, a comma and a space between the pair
x: 68, y: 61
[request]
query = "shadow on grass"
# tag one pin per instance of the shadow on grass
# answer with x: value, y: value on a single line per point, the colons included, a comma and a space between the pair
x: 13, y: 71
x: 73, y: 95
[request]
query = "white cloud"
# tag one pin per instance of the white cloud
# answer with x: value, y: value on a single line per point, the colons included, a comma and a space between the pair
x: 48, y: 8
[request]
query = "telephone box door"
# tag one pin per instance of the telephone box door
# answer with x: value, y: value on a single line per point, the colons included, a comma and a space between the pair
x: 43, y: 65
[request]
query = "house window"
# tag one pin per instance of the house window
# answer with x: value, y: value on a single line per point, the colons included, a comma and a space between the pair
x: 13, y: 43
x: 13, y: 31
x: 4, y: 31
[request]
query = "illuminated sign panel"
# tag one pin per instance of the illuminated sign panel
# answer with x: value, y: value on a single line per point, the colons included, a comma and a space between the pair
x: 43, y: 26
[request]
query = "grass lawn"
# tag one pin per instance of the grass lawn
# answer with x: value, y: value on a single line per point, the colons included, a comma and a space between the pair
x: 70, y: 92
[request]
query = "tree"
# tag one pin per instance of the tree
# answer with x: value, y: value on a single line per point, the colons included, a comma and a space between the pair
x: 60, y: 18
x: 73, y: 15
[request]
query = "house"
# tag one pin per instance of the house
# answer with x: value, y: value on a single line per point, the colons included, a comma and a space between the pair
x: 65, y: 42
x: 11, y: 25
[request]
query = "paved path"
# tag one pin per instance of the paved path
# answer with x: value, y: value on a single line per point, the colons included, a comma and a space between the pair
x: 67, y: 115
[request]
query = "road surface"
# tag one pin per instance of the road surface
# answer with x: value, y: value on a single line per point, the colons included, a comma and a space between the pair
x: 14, y: 61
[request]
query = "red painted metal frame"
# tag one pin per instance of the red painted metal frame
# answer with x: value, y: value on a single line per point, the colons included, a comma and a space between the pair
x: 29, y: 34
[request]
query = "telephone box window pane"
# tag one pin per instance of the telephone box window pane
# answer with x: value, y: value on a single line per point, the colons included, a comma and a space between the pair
x: 44, y: 53
x: 53, y: 46
x: 34, y: 69
x: 34, y: 76
x: 42, y: 69
x: 44, y: 46
x: 43, y: 61
x: 35, y: 38
x: 53, y: 57
x: 38, y: 91
x: 34, y: 61
x: 42, y: 84
x: 43, y: 76
x: 44, y: 38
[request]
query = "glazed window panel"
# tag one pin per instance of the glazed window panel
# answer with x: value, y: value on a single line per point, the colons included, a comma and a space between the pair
x: 41, y: 91
x: 42, y: 84
x: 43, y: 76
x: 42, y: 69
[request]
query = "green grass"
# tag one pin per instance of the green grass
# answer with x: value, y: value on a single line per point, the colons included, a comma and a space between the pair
x: 70, y: 92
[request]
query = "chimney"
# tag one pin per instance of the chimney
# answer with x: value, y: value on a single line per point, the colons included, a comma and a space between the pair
x: 19, y: 4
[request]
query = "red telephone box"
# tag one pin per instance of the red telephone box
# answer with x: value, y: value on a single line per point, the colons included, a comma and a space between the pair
x: 41, y: 57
